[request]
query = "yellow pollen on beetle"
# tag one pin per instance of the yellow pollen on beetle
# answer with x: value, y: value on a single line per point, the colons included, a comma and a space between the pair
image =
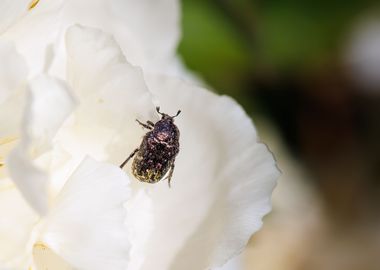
x: 33, y: 4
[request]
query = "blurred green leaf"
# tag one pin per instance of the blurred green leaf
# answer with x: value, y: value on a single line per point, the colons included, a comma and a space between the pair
x: 212, y: 46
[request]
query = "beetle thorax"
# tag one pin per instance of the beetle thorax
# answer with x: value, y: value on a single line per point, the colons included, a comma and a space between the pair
x: 162, y: 135
x: 165, y: 130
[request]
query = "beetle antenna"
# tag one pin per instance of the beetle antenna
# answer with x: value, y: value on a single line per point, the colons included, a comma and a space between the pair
x: 158, y: 110
x: 179, y: 111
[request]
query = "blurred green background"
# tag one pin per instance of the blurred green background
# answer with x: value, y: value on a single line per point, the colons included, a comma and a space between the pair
x: 308, y: 72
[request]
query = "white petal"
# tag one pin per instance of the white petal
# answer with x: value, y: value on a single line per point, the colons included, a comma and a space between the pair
x: 153, y: 25
x: 112, y: 94
x: 48, y: 105
x: 11, y: 11
x: 6, y: 146
x: 86, y: 225
x: 13, y: 74
x: 148, y: 31
x: 31, y: 181
x: 221, y: 185
x: 233, y: 264
x: 12, y: 70
x: 35, y: 32
x: 140, y: 222
x: 16, y: 224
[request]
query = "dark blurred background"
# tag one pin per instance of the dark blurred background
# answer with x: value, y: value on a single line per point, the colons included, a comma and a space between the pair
x: 308, y: 72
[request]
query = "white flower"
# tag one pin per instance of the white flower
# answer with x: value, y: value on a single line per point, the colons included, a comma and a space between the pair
x: 146, y: 31
x: 362, y: 54
x: 74, y: 94
x: 84, y: 229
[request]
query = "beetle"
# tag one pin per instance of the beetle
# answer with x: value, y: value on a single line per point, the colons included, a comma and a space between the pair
x: 155, y: 156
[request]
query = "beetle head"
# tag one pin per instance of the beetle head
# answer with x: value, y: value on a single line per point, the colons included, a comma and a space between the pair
x: 166, y: 116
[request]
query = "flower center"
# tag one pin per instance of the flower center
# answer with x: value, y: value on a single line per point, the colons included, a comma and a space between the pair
x: 45, y: 258
x: 6, y: 145
x: 33, y: 4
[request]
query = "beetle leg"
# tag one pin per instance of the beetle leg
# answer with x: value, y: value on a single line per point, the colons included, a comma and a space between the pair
x: 144, y: 125
x: 130, y: 156
x: 150, y: 123
x: 169, y: 177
